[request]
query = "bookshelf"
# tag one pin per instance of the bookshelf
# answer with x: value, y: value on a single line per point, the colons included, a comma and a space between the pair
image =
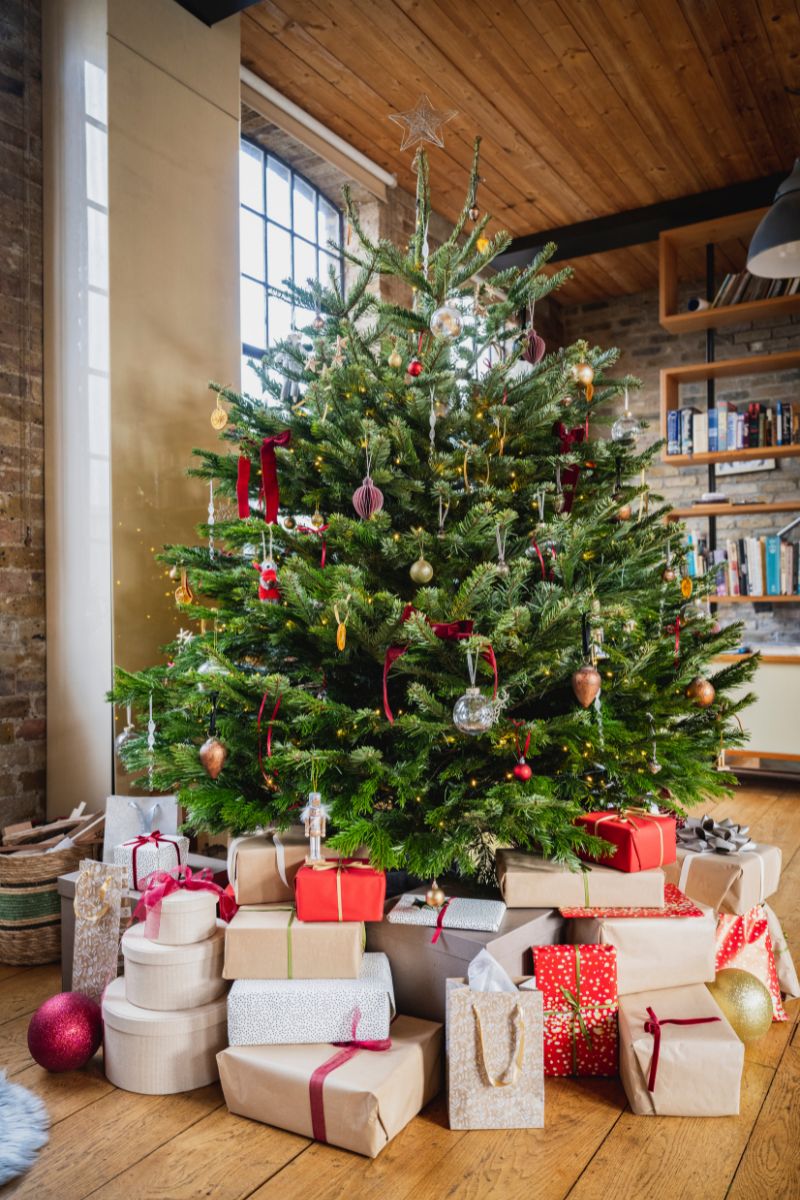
x: 730, y: 510
x: 794, y: 599
x: 704, y: 233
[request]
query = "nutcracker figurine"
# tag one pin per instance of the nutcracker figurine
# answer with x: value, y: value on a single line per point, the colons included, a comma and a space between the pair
x: 315, y: 816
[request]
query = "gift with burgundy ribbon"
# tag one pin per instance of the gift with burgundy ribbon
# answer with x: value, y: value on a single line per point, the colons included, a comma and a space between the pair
x: 159, y: 885
x: 579, y: 986
x: 150, y: 852
x: 457, y: 912
x: 268, y: 491
x: 643, y: 839
x: 340, y: 889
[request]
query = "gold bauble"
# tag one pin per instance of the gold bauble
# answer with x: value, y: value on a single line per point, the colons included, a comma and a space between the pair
x: 435, y: 897
x: 701, y: 692
x: 289, y: 522
x: 421, y: 571
x: 623, y: 513
x: 745, y: 1001
x: 395, y: 360
x: 586, y: 684
x: 668, y: 575
x: 583, y: 372
x: 441, y: 408
x: 317, y: 519
x: 212, y: 756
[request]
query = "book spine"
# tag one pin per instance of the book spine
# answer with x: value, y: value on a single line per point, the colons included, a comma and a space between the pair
x: 773, y: 560
x: 673, y: 432
x: 779, y: 424
x: 713, y: 427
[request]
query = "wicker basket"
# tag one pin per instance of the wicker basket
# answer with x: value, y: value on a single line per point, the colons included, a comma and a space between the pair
x: 30, y: 906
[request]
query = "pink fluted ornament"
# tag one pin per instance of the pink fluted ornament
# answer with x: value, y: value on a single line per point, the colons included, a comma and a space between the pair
x: 65, y: 1032
x: 534, y: 348
x: 367, y: 499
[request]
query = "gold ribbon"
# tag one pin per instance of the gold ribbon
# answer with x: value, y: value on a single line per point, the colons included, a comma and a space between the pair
x: 628, y: 817
x: 82, y: 912
x: 328, y: 864
x: 515, y: 1066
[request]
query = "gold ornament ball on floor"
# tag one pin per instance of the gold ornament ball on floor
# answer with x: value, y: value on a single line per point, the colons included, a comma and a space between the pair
x: 745, y: 1001
x: 421, y: 571
x: 435, y: 897
x: 701, y: 692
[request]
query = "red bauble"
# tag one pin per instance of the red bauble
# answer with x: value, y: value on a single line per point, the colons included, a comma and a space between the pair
x: 65, y: 1032
x: 415, y: 367
x: 522, y: 771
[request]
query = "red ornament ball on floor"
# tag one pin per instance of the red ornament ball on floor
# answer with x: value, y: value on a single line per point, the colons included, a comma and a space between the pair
x: 65, y: 1032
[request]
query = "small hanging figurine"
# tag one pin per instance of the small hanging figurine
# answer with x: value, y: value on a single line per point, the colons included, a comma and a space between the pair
x: 315, y: 819
x: 290, y: 389
x: 268, y: 589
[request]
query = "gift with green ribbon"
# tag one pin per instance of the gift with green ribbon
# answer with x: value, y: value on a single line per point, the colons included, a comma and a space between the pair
x: 579, y: 986
x: 268, y: 942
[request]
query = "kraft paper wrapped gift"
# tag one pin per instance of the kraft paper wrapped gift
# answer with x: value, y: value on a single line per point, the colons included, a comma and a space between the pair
x: 421, y: 968
x: 151, y: 852
x: 354, y: 1098
x: 732, y: 883
x: 527, y: 881
x: 265, y: 1012
x: 262, y: 867
x: 495, y: 1077
x: 160, y: 1053
x: 698, y: 1067
x: 164, y: 978
x: 654, y: 952
x: 264, y: 943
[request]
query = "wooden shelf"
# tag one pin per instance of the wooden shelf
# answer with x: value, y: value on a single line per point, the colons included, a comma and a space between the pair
x: 732, y: 314
x: 795, y: 599
x: 715, y: 456
x: 730, y: 510
x: 792, y: 660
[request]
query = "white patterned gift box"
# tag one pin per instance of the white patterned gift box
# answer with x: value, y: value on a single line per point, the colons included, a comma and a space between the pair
x: 460, y: 912
x: 265, y: 1012
x: 144, y: 854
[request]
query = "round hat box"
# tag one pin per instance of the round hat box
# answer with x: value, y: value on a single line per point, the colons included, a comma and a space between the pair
x: 182, y: 917
x: 164, y: 978
x: 159, y: 1053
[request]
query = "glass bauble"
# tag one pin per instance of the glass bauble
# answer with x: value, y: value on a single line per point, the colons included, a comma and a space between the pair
x: 122, y: 739
x: 693, y: 612
x: 473, y: 713
x: 447, y: 322
x: 583, y: 372
x: 421, y: 571
x: 626, y: 428
x: 209, y: 669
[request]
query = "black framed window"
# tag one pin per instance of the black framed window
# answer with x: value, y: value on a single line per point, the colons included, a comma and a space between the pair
x: 285, y: 224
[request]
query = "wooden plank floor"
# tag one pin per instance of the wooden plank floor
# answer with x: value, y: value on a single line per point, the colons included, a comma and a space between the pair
x: 110, y: 1144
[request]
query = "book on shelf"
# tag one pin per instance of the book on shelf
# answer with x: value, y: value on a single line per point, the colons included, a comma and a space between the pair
x: 759, y: 567
x: 726, y: 427
x: 742, y: 287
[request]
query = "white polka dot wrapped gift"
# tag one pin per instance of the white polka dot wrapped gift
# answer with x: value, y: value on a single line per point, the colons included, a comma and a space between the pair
x: 150, y: 852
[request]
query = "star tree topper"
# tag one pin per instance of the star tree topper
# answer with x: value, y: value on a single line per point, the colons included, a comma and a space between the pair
x: 423, y: 123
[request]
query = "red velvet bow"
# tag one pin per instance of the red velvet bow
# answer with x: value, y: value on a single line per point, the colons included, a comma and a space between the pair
x: 653, y: 1026
x: 348, y: 1050
x: 159, y: 884
x: 269, y: 478
x: 267, y: 779
x: 567, y: 438
x: 320, y: 531
x: 153, y: 839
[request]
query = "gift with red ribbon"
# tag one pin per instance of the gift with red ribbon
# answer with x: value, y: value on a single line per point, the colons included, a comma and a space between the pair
x: 744, y: 943
x: 150, y: 852
x: 340, y: 889
x: 268, y: 491
x: 643, y: 839
x: 158, y: 885
x: 579, y: 986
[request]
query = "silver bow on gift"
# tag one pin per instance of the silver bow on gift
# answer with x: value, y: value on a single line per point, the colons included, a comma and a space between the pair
x: 704, y: 835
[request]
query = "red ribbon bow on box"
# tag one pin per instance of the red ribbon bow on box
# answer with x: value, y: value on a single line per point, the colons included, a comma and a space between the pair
x: 159, y: 884
x: 156, y: 838
x: 269, y: 478
x: 653, y: 1026
x: 348, y: 1050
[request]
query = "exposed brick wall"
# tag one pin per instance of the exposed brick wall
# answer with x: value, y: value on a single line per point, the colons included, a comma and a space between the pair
x: 22, y: 610
x: 631, y: 323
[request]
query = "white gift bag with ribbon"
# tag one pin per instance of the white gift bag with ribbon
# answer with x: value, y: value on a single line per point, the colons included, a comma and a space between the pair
x: 128, y: 816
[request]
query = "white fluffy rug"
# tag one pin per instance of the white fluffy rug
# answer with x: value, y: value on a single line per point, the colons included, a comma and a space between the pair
x: 23, y: 1129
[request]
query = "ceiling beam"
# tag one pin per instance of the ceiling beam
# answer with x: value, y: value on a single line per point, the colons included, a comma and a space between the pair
x: 212, y: 11
x: 640, y: 225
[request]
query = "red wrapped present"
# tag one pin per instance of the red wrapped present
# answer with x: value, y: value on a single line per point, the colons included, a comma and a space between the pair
x: 643, y: 840
x: 743, y: 942
x: 340, y: 889
x: 579, y: 986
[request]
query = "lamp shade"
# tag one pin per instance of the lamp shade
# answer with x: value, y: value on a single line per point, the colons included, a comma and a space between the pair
x: 775, y: 248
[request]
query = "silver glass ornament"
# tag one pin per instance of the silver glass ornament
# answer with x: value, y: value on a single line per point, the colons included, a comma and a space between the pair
x: 447, y: 322
x: 626, y: 428
x: 473, y: 712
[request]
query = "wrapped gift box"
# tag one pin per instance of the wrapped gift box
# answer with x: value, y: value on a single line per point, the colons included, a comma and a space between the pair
x: 642, y: 840
x: 744, y: 943
x: 458, y: 912
x: 159, y: 1053
x: 655, y: 952
x: 164, y: 977
x: 264, y: 1012
x: 262, y: 867
x: 263, y: 943
x: 420, y: 968
x: 181, y: 918
x: 151, y: 852
x: 732, y: 883
x: 579, y: 987
x: 360, y: 1104
x: 527, y: 881
x: 699, y: 1067
x: 346, y: 889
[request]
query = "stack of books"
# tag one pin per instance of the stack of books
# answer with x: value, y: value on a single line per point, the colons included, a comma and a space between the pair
x: 728, y: 427
x: 736, y: 289
x: 746, y: 566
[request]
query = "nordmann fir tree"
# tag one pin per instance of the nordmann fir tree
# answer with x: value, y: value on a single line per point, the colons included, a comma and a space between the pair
x: 508, y: 540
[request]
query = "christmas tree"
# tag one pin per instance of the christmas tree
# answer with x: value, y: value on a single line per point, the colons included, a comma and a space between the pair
x: 442, y: 599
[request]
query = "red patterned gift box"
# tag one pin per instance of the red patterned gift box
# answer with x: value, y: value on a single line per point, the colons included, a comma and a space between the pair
x: 340, y: 889
x: 743, y: 942
x: 579, y: 986
x: 643, y: 840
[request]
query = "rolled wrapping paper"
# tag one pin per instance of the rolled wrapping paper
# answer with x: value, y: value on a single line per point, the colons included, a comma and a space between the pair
x: 704, y: 835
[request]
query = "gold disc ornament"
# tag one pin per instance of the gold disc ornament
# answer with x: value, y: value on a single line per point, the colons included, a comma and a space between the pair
x: 745, y: 1001
x: 219, y: 418
x: 183, y: 592
x: 687, y: 587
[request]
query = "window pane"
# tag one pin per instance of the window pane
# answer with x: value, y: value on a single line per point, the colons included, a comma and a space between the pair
x: 280, y: 320
x: 251, y: 176
x: 328, y: 222
x: 251, y: 383
x: 278, y: 206
x: 305, y: 214
x: 326, y: 261
x: 254, y: 329
x: 305, y: 262
x: 251, y: 243
x: 279, y: 255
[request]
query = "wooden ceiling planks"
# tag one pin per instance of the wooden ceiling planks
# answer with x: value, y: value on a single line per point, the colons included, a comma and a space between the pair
x: 585, y: 108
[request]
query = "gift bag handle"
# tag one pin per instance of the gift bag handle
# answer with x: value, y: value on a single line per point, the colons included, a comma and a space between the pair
x: 517, y: 1054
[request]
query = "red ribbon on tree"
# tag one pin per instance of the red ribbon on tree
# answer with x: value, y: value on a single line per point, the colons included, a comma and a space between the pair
x: 156, y: 838
x: 653, y: 1026
x: 567, y: 438
x: 269, y: 478
x: 521, y: 753
x: 676, y: 629
x: 545, y: 573
x: 321, y: 531
x: 448, y: 631
x: 275, y: 710
x: 316, y: 1083
x: 159, y: 884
